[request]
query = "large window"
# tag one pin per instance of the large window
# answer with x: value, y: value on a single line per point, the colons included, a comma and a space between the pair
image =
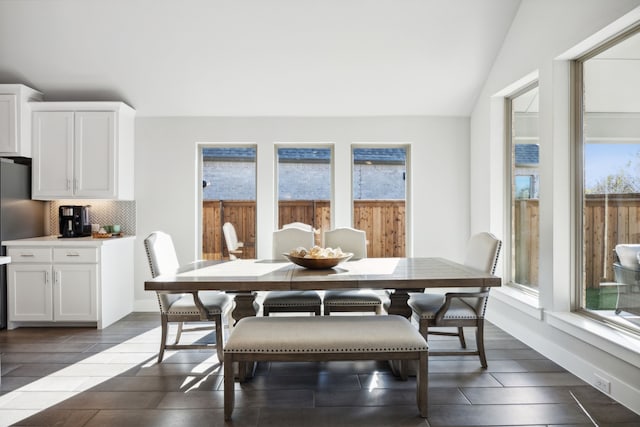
x: 608, y: 166
x: 228, y: 195
x: 379, y: 193
x: 304, y: 186
x: 524, y: 159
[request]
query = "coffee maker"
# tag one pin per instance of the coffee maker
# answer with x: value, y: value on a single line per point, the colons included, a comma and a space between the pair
x: 74, y: 221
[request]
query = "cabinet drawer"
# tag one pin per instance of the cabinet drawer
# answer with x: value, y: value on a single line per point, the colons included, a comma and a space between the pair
x: 75, y: 255
x: 30, y: 254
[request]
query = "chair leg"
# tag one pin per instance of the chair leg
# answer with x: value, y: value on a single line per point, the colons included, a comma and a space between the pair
x: 163, y: 340
x: 219, y: 338
x: 404, y: 369
x: 463, y: 344
x: 229, y: 387
x: 480, y: 343
x: 179, y: 333
x: 424, y: 329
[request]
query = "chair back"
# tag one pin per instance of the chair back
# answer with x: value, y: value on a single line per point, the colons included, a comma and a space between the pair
x: 162, y: 260
x: 300, y: 225
x: 348, y: 239
x: 483, y: 250
x: 629, y: 255
x: 287, y: 239
x: 230, y: 238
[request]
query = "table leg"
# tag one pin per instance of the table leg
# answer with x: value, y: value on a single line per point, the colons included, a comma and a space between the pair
x: 399, y: 306
x: 246, y: 306
x: 399, y: 298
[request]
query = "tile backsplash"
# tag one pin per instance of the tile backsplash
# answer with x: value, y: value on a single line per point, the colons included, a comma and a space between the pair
x: 103, y: 212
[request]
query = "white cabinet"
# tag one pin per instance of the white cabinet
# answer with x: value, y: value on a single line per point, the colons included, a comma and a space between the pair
x: 85, y: 282
x: 64, y: 289
x: 82, y: 150
x: 15, y: 119
x: 30, y: 288
x: 74, y: 292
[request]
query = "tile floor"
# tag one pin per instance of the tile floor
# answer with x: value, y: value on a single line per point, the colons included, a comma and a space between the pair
x: 86, y: 377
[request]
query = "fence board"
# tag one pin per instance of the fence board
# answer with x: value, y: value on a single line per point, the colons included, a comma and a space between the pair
x: 383, y: 221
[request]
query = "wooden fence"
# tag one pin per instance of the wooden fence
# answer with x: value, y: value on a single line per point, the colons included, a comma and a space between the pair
x: 382, y: 220
x: 608, y: 220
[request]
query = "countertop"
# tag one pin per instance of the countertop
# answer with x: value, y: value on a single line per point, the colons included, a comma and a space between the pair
x: 5, y: 260
x: 57, y: 241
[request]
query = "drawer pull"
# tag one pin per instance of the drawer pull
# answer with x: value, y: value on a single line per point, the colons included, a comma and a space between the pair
x: 73, y: 254
x: 27, y: 255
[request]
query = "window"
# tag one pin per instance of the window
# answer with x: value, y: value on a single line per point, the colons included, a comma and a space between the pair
x: 524, y: 159
x: 228, y: 195
x: 304, y: 186
x: 379, y: 199
x: 608, y: 167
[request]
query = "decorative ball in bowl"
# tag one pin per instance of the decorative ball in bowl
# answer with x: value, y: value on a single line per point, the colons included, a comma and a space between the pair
x: 317, y: 258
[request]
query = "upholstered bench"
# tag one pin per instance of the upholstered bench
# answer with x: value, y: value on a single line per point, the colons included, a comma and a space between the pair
x: 298, y: 339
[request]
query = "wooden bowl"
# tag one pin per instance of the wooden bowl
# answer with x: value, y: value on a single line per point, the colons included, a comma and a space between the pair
x: 317, y: 263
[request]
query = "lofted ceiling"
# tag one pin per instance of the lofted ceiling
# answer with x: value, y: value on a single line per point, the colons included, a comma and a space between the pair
x: 257, y: 57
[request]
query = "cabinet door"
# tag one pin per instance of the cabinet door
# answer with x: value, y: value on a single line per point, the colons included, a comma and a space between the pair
x: 29, y: 292
x: 8, y: 124
x: 52, y: 136
x: 75, y: 292
x: 95, y: 156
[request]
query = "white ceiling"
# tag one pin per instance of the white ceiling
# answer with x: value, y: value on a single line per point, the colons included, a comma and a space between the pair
x: 257, y: 57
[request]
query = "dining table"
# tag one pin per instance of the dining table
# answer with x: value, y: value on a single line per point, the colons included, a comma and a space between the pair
x: 245, y: 277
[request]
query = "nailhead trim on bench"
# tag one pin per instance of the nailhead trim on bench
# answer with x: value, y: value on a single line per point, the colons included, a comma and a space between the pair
x: 323, y: 339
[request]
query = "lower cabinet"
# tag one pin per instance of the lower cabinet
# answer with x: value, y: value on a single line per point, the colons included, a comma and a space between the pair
x: 30, y: 292
x: 74, y: 285
x: 74, y: 292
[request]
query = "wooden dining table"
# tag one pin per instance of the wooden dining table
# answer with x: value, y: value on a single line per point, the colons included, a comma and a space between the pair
x: 244, y: 277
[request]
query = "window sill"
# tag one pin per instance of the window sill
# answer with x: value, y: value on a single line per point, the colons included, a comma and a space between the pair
x: 521, y: 301
x: 617, y: 343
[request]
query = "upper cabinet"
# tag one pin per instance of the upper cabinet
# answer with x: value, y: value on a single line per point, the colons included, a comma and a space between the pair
x: 82, y: 150
x: 15, y: 119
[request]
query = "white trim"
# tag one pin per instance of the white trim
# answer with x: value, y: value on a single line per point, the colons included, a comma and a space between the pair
x: 527, y: 304
x: 617, y: 343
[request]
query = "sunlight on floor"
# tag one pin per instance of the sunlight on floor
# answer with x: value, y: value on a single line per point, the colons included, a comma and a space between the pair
x: 139, y: 353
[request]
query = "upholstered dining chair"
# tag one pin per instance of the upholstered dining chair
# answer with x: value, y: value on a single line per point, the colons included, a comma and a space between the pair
x: 234, y: 247
x: 460, y: 309
x: 206, y: 306
x: 284, y: 240
x: 350, y: 300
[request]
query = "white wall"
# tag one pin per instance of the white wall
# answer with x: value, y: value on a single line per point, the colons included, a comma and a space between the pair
x: 541, y: 32
x: 167, y: 182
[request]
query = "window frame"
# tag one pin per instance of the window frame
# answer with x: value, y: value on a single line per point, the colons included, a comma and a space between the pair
x: 578, y: 294
x: 509, y: 181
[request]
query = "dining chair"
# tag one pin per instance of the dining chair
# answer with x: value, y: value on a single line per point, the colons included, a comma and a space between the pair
x: 350, y: 300
x: 234, y: 247
x: 284, y: 240
x: 206, y: 306
x: 626, y: 271
x: 460, y: 309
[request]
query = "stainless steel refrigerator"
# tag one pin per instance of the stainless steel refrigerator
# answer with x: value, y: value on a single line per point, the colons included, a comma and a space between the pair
x: 20, y: 217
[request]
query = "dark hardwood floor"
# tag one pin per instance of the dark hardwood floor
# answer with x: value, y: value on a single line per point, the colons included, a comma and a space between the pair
x: 87, y: 377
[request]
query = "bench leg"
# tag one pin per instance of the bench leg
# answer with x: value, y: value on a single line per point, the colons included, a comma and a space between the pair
x: 422, y: 384
x: 229, y: 386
